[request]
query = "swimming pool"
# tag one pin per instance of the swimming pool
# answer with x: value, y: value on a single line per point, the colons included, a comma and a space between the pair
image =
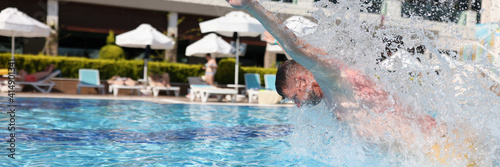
x: 81, y: 132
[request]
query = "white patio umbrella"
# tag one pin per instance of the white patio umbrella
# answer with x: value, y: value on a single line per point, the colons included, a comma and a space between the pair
x: 14, y: 23
x: 212, y: 44
x: 299, y: 25
x: 274, y: 49
x: 401, y: 60
x: 145, y: 36
x: 235, y: 24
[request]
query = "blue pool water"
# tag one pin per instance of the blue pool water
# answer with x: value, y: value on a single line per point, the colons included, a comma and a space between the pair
x: 77, y: 132
x: 82, y: 132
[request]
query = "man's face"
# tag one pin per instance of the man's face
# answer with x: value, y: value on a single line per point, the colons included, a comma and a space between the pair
x: 301, y: 94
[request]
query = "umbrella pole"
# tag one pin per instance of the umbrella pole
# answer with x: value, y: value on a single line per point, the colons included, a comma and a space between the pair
x: 12, y: 47
x: 236, y: 71
x: 146, y: 71
x: 12, y: 64
x: 146, y: 57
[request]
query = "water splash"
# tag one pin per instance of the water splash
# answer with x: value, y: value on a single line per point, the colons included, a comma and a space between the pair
x: 457, y: 93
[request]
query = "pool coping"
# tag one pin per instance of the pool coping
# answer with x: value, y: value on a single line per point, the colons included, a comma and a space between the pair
x: 159, y: 99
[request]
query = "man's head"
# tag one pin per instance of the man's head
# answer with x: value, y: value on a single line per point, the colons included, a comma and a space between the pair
x: 296, y: 83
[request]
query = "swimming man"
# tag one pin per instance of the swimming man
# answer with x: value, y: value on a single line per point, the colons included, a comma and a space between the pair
x: 375, y: 114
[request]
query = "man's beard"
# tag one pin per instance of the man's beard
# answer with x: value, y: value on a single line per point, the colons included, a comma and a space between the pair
x: 315, y: 99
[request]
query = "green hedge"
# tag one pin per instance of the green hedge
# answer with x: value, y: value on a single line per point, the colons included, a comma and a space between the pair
x: 127, y: 68
x: 225, y: 72
x: 111, y: 52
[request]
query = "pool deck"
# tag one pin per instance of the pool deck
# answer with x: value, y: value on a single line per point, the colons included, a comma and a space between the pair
x: 159, y: 99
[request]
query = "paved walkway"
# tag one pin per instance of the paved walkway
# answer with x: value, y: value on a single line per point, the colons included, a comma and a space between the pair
x: 159, y: 99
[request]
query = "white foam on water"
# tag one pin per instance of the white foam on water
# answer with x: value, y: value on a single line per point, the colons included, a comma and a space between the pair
x: 458, y: 96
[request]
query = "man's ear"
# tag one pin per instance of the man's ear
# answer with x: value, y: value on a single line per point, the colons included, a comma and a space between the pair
x: 316, y: 88
x: 314, y: 84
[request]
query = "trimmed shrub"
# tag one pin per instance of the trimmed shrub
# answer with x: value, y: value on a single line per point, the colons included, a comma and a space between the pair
x: 111, y: 50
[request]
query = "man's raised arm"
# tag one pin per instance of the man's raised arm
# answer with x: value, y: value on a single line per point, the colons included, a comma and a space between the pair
x: 304, y: 53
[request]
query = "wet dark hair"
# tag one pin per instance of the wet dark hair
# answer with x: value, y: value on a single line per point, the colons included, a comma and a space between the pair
x: 283, y: 73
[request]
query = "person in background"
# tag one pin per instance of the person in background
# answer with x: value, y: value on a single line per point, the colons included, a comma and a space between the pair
x: 210, y: 69
x: 24, y: 76
x: 160, y: 81
x: 117, y: 80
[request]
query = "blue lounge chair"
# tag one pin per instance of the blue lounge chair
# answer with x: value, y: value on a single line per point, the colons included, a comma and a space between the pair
x: 252, y: 85
x: 270, y: 81
x: 89, y: 78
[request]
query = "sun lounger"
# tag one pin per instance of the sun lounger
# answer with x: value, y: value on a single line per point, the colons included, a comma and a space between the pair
x: 196, y: 82
x: 153, y: 86
x: 156, y: 90
x: 45, y: 82
x: 200, y: 89
x: 116, y: 88
x: 89, y: 78
x: 4, y: 87
x: 204, y: 92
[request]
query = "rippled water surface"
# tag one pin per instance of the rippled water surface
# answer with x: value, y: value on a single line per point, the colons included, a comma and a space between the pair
x: 72, y: 132
x: 63, y: 132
